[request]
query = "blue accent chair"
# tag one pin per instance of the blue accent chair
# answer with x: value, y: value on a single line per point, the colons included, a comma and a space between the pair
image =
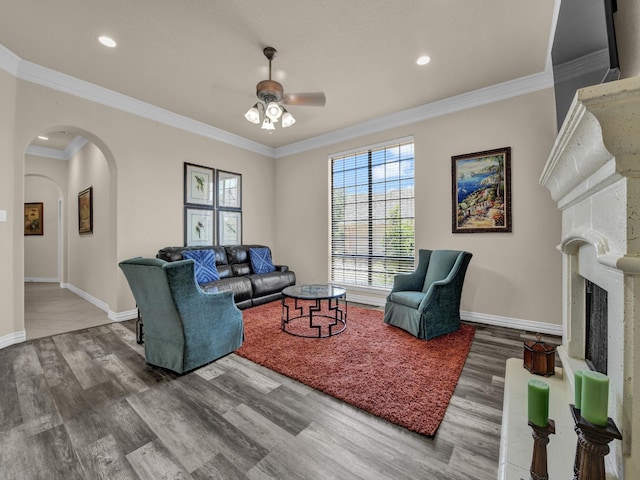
x: 184, y: 326
x: 426, y: 302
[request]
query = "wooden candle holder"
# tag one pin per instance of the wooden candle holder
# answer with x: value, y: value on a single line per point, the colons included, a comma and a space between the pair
x: 592, y: 447
x: 540, y: 435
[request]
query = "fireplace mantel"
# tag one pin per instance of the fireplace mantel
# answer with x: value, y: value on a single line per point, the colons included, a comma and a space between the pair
x: 593, y: 173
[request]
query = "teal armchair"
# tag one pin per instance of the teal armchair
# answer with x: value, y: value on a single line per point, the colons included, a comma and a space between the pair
x: 184, y: 327
x: 426, y: 302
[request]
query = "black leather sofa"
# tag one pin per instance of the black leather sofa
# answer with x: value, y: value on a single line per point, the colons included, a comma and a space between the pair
x: 234, y: 267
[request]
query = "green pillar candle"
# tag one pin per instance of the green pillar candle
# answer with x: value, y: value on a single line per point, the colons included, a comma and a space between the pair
x: 595, y: 398
x: 577, y: 391
x: 538, y: 402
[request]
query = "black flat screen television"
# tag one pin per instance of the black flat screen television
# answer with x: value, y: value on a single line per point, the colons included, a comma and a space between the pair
x: 584, y: 51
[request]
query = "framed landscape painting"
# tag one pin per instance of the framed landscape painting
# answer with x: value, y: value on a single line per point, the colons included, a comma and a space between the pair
x: 33, y: 224
x: 85, y: 211
x: 481, y: 191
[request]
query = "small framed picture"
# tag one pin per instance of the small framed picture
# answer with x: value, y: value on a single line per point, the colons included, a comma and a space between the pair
x: 198, y: 185
x: 481, y: 191
x: 229, y: 190
x: 229, y: 227
x: 85, y: 211
x: 198, y: 227
x: 33, y: 218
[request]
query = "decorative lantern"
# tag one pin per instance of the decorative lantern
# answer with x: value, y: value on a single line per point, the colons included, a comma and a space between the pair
x: 540, y: 357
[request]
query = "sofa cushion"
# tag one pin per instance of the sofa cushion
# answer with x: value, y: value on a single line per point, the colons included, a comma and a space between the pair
x: 261, y: 260
x: 205, y: 267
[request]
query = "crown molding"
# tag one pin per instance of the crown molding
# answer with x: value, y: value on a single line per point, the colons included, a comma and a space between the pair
x: 580, y: 66
x: 75, y: 145
x: 9, y: 61
x: 54, y: 153
x: 73, y: 86
x: 64, y: 83
x: 476, y: 98
x: 70, y: 150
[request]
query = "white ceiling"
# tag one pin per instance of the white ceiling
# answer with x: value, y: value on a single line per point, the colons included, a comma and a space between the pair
x: 203, y: 58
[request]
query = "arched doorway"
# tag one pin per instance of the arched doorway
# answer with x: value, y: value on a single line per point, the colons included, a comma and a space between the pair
x: 78, y: 294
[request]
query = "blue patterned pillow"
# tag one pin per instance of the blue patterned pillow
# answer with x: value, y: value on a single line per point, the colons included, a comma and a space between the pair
x: 205, y: 267
x: 261, y: 260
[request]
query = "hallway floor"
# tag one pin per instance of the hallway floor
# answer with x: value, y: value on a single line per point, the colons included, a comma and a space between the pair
x: 50, y: 309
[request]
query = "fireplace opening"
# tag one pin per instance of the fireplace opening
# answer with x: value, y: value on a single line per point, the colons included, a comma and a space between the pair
x: 596, y: 322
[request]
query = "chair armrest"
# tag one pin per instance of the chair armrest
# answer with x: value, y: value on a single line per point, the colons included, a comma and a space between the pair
x: 282, y: 268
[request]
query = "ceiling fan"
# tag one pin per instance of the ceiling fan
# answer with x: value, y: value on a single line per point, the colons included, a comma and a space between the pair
x: 270, y: 109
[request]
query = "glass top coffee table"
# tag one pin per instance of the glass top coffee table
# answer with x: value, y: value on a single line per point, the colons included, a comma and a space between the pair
x: 314, y: 311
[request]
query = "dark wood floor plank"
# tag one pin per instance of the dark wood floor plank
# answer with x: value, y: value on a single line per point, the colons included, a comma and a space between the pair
x: 86, y: 405
x: 154, y: 461
x: 10, y: 413
x: 104, y: 460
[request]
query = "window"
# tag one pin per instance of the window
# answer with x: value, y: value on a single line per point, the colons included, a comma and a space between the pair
x: 372, y: 214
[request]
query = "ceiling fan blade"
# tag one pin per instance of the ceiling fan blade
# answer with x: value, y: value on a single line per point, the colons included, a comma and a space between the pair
x: 313, y: 99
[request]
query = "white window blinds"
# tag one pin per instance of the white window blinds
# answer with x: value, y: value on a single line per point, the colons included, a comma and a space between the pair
x: 372, y: 214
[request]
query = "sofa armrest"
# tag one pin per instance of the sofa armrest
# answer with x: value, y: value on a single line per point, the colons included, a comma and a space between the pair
x: 282, y: 268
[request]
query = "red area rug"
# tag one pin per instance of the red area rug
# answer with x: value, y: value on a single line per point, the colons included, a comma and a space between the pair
x: 373, y: 366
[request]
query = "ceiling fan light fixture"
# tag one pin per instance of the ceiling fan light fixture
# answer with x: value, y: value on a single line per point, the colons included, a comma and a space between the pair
x: 273, y: 111
x: 253, y: 114
x: 287, y: 119
x: 267, y: 124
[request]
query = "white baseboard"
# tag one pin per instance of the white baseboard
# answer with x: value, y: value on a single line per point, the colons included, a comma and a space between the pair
x: 13, y: 338
x: 122, y: 316
x: 88, y: 297
x: 516, y: 323
x: 41, y: 280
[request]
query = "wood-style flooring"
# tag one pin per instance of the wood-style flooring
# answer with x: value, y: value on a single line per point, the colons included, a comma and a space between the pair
x: 85, y: 405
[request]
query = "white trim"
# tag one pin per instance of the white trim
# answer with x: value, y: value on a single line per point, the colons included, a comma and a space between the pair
x: 41, y: 279
x: 476, y: 98
x: 47, y: 152
x: 13, y: 338
x: 122, y: 316
x: 9, y: 61
x: 73, y: 86
x: 88, y: 297
x: 365, y: 149
x: 592, y: 62
x: 75, y: 145
x: 515, y: 323
x: 64, y: 83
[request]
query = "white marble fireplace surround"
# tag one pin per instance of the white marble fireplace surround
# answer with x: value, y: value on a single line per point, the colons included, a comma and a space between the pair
x: 593, y: 173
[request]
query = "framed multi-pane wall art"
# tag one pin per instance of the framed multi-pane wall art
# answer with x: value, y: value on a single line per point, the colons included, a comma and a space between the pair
x: 229, y: 190
x: 198, y: 226
x: 198, y: 185
x: 212, y: 206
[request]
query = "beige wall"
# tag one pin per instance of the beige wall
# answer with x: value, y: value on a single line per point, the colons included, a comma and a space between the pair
x: 136, y: 168
x: 514, y: 275
x: 627, y: 20
x: 11, y: 263
x: 41, y: 251
x: 57, y: 173
x: 88, y: 260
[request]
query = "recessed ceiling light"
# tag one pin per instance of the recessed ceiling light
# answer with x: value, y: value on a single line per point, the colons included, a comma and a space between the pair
x: 42, y: 137
x: 423, y: 60
x: 107, y: 41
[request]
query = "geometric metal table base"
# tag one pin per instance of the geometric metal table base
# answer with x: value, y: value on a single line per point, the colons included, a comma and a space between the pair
x: 311, y: 299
